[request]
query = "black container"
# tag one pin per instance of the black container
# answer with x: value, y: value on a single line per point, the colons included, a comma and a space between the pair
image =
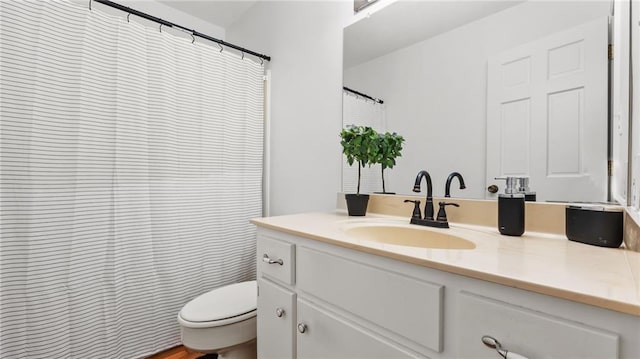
x: 594, y: 225
x: 511, y: 214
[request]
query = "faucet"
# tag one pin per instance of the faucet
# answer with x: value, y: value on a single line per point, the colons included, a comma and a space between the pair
x: 447, y: 187
x: 441, y: 220
x: 428, y: 207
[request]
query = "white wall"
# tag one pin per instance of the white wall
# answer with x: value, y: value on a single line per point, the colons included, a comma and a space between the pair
x: 620, y: 107
x: 304, y: 40
x: 435, y: 90
x: 635, y: 120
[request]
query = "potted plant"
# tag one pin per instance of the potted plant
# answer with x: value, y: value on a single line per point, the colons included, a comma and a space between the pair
x: 360, y: 144
x: 389, y: 148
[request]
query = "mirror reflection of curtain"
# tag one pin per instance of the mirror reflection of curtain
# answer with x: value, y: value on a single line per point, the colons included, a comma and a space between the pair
x: 359, y: 111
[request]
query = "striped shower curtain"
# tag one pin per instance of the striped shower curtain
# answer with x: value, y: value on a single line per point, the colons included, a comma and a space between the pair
x: 131, y: 164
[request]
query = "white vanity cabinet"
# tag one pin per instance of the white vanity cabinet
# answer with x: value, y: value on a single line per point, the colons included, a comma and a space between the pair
x: 328, y: 301
x: 317, y: 333
x: 312, y: 304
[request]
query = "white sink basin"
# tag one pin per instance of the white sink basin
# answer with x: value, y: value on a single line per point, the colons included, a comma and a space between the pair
x: 406, y: 235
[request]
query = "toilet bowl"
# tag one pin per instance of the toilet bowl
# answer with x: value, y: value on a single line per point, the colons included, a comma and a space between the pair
x: 222, y: 321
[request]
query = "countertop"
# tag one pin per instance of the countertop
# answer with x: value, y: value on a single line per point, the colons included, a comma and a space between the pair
x: 543, y: 263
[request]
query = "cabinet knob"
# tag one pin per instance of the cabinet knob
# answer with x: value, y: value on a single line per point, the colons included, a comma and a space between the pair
x: 302, y: 327
x: 279, y: 312
x: 266, y: 259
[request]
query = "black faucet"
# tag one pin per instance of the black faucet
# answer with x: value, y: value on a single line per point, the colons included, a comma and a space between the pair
x: 441, y: 221
x: 428, y: 207
x: 447, y: 187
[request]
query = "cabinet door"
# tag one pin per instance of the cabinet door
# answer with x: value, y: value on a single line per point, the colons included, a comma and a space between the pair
x: 276, y: 318
x: 324, y: 335
x: 526, y: 332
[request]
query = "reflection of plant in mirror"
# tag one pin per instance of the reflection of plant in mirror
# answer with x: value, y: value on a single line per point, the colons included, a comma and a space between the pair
x: 390, y: 146
x: 360, y: 144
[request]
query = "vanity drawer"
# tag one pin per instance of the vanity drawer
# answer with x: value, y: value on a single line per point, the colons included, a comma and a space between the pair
x: 526, y: 332
x: 276, y: 259
x: 375, y: 295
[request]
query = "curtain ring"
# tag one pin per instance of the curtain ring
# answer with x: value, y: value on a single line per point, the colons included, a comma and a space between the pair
x: 129, y: 14
x: 242, y: 56
x: 90, y: 5
x: 221, y: 48
x: 261, y: 61
x: 193, y: 38
x: 160, y: 27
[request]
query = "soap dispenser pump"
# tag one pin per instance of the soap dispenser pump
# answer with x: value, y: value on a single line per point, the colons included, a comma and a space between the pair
x: 523, y: 187
x: 511, y: 209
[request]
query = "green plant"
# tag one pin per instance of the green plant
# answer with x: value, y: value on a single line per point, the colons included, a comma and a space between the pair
x: 360, y: 144
x: 389, y: 148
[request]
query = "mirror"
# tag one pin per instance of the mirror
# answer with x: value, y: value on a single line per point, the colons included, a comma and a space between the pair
x: 487, y: 89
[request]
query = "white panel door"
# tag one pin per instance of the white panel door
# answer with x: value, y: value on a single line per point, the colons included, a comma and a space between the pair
x: 547, y: 114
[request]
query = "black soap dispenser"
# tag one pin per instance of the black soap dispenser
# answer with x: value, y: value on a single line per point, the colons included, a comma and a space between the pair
x: 511, y: 210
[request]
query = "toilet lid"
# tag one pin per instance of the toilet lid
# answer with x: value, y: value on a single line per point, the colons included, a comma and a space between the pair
x: 222, y: 303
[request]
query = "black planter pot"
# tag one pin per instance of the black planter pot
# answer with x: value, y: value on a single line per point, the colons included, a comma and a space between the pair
x: 357, y: 204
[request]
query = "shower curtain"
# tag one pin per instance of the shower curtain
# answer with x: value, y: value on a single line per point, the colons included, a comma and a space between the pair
x: 360, y: 111
x: 131, y: 164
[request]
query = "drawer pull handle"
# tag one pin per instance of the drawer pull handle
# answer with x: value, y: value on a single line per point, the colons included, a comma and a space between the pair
x: 266, y: 259
x: 279, y: 312
x: 302, y: 328
x: 493, y: 343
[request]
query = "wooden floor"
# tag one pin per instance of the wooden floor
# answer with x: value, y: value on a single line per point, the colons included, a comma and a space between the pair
x: 178, y: 352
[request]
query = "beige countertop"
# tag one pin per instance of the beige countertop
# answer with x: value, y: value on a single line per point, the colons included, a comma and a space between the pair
x: 539, y: 262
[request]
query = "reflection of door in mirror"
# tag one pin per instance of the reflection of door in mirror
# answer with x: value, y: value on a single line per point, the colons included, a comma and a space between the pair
x: 547, y: 111
x: 358, y: 110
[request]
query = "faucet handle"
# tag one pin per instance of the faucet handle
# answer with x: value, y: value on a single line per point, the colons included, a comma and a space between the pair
x: 416, y: 208
x: 442, y: 214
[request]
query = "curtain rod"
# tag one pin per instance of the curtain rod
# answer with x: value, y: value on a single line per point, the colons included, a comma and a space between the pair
x: 377, y: 100
x: 170, y: 24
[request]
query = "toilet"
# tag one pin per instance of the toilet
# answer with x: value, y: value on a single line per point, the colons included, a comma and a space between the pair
x: 222, y: 321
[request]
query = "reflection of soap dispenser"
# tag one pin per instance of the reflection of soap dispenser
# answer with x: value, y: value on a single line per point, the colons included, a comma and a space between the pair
x: 511, y: 210
x: 523, y: 187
